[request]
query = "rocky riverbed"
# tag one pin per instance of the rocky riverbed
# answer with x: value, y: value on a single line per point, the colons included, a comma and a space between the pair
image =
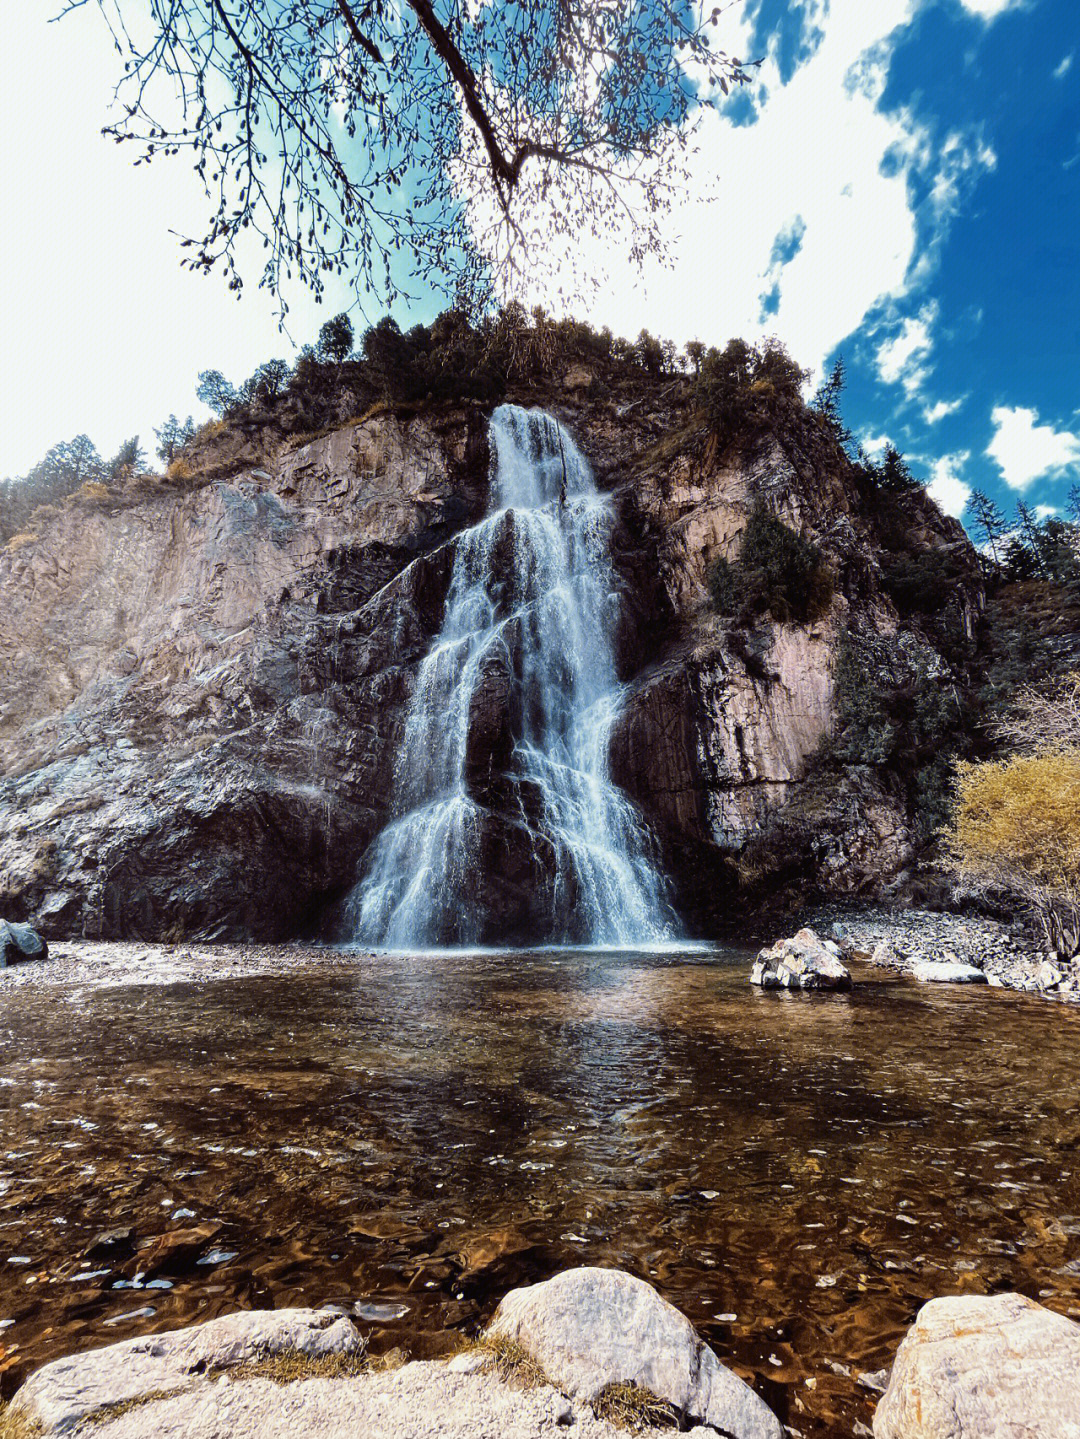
x: 589, y: 1353
x: 904, y: 939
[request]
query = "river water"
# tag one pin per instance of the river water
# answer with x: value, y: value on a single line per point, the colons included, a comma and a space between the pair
x: 408, y: 1136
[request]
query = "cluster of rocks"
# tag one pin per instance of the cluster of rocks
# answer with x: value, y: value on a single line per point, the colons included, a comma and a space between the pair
x: 566, y: 1342
x: 931, y: 944
x: 971, y: 1367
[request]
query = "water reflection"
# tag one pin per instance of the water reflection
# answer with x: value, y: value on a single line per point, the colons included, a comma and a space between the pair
x: 406, y: 1138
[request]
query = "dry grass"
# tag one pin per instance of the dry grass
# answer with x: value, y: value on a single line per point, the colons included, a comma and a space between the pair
x: 629, y: 1406
x: 669, y: 446
x: 125, y: 1406
x: 14, y: 1425
x: 92, y: 490
x: 512, y: 1364
x: 291, y: 1365
x: 26, y: 537
x: 179, y: 470
x: 41, y: 515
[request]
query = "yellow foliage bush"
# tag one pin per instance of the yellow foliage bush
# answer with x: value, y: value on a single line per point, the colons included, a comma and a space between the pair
x: 92, y: 490
x: 209, y: 431
x: 179, y: 469
x: 1016, y: 826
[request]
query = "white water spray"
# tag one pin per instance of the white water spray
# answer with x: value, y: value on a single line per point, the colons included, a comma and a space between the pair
x: 531, y: 599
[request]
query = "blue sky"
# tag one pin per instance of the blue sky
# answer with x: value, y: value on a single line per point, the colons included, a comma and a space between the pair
x: 901, y: 186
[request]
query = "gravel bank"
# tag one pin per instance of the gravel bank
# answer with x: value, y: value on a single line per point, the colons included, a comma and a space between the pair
x: 914, y: 936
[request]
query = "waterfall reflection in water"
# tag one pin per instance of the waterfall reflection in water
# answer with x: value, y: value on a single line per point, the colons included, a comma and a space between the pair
x: 531, y: 604
x: 409, y: 1138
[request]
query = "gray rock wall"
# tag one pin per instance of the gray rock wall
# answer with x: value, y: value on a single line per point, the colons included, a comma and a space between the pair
x: 203, y: 688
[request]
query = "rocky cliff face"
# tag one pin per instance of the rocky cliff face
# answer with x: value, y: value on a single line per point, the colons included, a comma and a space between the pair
x: 204, y: 684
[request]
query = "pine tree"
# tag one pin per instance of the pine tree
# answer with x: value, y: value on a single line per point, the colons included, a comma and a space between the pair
x: 988, y: 523
x: 1030, y: 535
x: 128, y: 459
x: 827, y: 402
x: 215, y: 391
x: 893, y: 473
x: 335, y: 339
x: 172, y: 437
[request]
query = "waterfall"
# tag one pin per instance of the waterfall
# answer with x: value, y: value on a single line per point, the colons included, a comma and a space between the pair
x: 527, y: 638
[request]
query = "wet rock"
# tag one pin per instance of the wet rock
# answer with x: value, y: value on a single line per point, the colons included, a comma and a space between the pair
x: 68, y: 1391
x: 588, y: 1328
x: 975, y: 1367
x: 110, y: 1244
x: 940, y: 971
x: 802, y: 962
x: 171, y: 1252
x: 19, y: 942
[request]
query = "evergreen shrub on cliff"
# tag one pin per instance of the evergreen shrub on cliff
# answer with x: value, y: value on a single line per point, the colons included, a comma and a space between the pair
x: 900, y: 710
x: 777, y: 572
x: 745, y: 389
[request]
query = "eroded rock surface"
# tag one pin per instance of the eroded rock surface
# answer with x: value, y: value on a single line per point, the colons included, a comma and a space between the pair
x: 590, y: 1328
x: 993, y: 1367
x: 204, y: 685
x: 70, y: 1392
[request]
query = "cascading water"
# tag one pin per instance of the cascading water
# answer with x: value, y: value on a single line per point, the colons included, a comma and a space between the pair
x: 530, y: 607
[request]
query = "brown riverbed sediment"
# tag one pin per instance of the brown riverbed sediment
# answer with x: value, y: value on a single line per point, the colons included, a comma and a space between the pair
x: 191, y: 1130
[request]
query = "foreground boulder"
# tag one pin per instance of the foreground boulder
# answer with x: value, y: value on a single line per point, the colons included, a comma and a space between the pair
x: 945, y: 971
x: 302, y: 1374
x: 974, y: 1367
x: 591, y: 1328
x: 19, y: 942
x: 802, y: 962
x: 63, y: 1394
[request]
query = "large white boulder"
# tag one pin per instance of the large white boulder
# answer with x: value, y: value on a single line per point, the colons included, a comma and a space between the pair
x: 802, y: 962
x: 67, y: 1391
x: 975, y: 1367
x: 588, y: 1328
x: 944, y: 971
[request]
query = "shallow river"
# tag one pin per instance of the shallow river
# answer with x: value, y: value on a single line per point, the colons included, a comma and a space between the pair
x: 409, y: 1137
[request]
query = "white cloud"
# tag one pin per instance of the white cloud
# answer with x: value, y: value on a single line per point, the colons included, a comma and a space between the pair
x: 946, y: 487
x: 820, y: 157
x: 1043, y: 512
x: 1026, y: 451
x: 941, y: 409
x: 1060, y: 71
x: 876, y: 445
x: 989, y: 9
x: 903, y: 359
